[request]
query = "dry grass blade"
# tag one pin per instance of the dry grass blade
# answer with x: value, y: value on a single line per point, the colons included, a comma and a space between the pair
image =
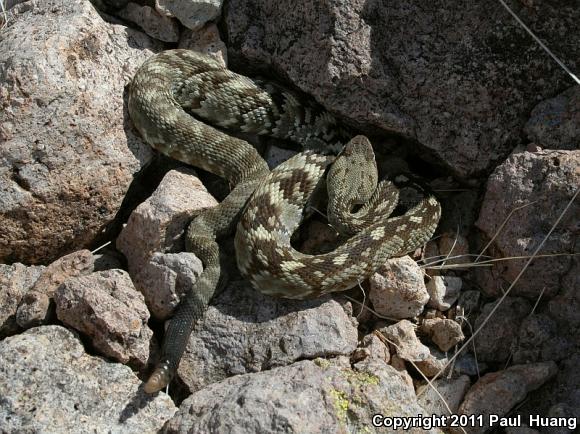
x: 539, y: 41
x: 503, y: 297
x: 488, y: 262
x: 363, y: 306
x: 4, y: 18
x: 101, y: 247
x: 509, y: 216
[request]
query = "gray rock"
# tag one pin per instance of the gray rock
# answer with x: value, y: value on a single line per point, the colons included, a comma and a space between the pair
x: 445, y: 333
x: 562, y: 411
x: 555, y: 123
x: 565, y: 307
x: 317, y: 396
x: 245, y: 331
x: 443, y: 291
x: 561, y: 397
x: 399, y: 67
x: 9, y: 4
x: 407, y: 346
x: 158, y: 224
x: 49, y: 384
x: 108, y: 261
x: 538, y: 341
x: 156, y: 25
x: 452, y: 390
x: 275, y: 155
x: 398, y: 289
x: 80, y: 263
x: 106, y: 307
x: 549, y: 179
x: 15, y: 281
x: 165, y: 278
x: 435, y: 363
x: 469, y: 301
x: 36, y: 307
x: 371, y: 350
x: 512, y: 385
x: 467, y: 365
x: 67, y: 154
x: 193, y: 14
x: 494, y: 342
x: 452, y: 244
x: 206, y: 40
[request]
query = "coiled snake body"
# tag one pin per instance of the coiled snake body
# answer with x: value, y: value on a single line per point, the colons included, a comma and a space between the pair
x: 173, y: 98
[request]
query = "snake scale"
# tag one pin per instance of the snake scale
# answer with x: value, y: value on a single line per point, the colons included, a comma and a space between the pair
x: 181, y: 102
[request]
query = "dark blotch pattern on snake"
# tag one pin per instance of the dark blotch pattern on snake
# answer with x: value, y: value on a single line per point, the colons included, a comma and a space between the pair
x: 173, y: 99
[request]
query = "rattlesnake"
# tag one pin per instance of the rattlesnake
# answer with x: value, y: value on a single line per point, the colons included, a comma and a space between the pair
x: 172, y: 99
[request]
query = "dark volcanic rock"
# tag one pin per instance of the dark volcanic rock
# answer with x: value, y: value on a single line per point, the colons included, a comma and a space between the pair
x: 460, y: 78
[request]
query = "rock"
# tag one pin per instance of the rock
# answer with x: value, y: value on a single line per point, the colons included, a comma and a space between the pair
x: 158, y: 224
x: 49, y: 384
x: 80, y: 263
x: 451, y: 245
x: 400, y: 67
x: 193, y: 14
x: 275, y: 155
x: 549, y: 179
x: 469, y: 301
x: 563, y: 412
x: 443, y: 291
x: 407, y: 346
x: 371, y: 350
x: 9, y: 4
x: 319, y: 237
x: 512, y: 384
x: 565, y: 392
x: 206, y: 40
x: 435, y: 363
x: 452, y: 390
x: 560, y: 397
x: 154, y: 24
x: 445, y: 333
x: 108, y: 261
x: 244, y: 331
x: 398, y: 290
x: 36, y: 307
x: 493, y: 343
x: 15, y: 281
x: 68, y: 154
x: 466, y: 364
x: 535, y: 332
x: 554, y: 123
x: 165, y: 278
x: 524, y: 429
x: 399, y: 365
x: 106, y: 307
x: 308, y: 396
x: 431, y: 258
x: 565, y: 308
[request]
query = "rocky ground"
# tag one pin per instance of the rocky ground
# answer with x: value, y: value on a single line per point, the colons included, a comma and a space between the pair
x: 455, y: 93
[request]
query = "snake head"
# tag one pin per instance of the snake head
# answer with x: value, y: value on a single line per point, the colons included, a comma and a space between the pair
x: 353, y: 177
